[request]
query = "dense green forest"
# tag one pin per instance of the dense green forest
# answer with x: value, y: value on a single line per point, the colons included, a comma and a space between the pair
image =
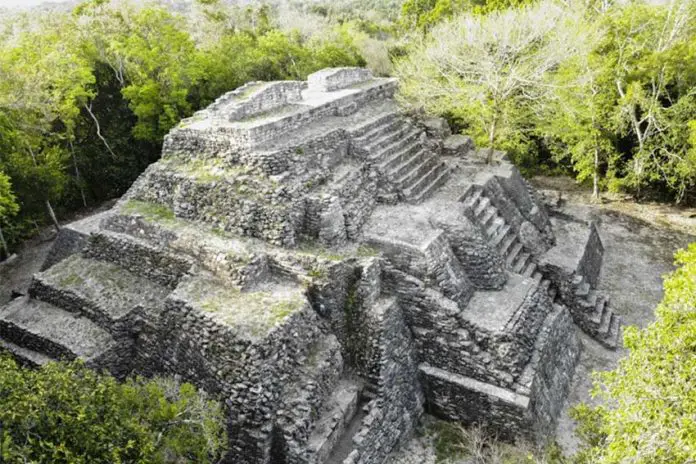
x: 604, y: 91
x: 67, y: 413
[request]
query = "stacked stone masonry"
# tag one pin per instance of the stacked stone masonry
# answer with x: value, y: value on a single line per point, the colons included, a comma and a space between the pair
x: 331, y: 269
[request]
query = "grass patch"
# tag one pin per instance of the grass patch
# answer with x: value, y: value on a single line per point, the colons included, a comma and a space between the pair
x: 71, y: 279
x: 150, y: 211
x: 453, y: 442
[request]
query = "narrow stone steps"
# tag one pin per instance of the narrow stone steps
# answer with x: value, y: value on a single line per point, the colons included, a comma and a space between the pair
x: 600, y: 311
x: 495, y: 227
x: 538, y: 276
x: 428, y: 183
x: 483, y: 203
x: 530, y: 270
x: 583, y: 290
x: 513, y: 254
x: 503, y: 234
x: 489, y: 215
x: 471, y: 196
x: 55, y: 333
x: 611, y: 339
x: 510, y: 248
x: 340, y: 409
x: 345, y: 447
x: 100, y: 291
x: 521, y: 262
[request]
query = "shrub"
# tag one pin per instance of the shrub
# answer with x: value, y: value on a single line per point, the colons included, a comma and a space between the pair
x: 67, y: 413
x: 650, y: 411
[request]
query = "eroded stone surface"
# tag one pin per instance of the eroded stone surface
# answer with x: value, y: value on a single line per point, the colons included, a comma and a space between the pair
x: 327, y: 267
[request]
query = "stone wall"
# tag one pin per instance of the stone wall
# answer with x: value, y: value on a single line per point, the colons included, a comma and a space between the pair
x: 328, y: 80
x: 392, y: 416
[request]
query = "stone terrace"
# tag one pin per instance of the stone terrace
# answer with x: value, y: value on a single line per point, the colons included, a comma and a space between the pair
x: 330, y: 268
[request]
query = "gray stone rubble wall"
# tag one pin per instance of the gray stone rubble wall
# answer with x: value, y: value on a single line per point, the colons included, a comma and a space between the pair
x: 392, y: 416
x: 328, y: 80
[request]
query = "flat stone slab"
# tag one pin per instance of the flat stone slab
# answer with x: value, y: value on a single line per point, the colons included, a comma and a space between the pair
x: 252, y: 314
x: 493, y: 309
x: 43, y: 321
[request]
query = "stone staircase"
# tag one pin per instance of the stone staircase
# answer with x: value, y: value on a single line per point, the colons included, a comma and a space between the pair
x: 320, y: 407
x: 593, y: 313
x: 396, y: 148
x: 500, y: 235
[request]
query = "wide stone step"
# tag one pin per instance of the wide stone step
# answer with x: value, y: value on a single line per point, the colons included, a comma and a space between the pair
x: 43, y: 328
x: 25, y: 356
x: 417, y: 172
x: 394, y: 144
x: 103, y: 292
x: 521, y: 263
x: 404, y: 161
x: 138, y: 257
x: 339, y: 410
x: 399, y: 134
x: 427, y: 183
x: 368, y: 130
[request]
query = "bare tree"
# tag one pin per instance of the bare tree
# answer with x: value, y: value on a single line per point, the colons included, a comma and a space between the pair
x: 490, y: 66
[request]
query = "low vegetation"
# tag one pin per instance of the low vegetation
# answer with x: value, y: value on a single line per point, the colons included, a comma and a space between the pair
x: 67, y: 413
x: 649, y: 403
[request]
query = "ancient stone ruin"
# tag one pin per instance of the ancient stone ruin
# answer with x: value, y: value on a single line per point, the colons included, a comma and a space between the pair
x: 331, y: 269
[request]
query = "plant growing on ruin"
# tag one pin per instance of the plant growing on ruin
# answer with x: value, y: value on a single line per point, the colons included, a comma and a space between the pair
x: 67, y: 413
x: 650, y: 403
x: 489, y: 70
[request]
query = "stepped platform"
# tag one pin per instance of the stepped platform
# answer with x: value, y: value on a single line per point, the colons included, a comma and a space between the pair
x: 328, y: 265
x: 99, y: 291
x: 57, y: 334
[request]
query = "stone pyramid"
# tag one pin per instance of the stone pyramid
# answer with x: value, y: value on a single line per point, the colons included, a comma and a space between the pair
x: 330, y: 268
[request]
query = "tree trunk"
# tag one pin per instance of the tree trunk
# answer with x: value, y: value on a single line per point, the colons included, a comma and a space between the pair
x: 491, y: 139
x: 77, y: 175
x: 595, y: 176
x: 52, y: 214
x: 4, y: 243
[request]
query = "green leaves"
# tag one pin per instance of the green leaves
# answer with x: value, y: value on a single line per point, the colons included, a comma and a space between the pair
x: 66, y: 413
x: 651, y: 395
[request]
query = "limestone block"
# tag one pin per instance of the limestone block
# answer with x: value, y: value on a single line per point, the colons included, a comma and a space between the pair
x: 328, y: 80
x: 531, y: 238
x: 457, y: 145
x: 437, y: 127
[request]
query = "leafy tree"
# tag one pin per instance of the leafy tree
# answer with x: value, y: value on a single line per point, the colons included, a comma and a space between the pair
x: 8, y: 207
x: 581, y: 118
x: 66, y: 413
x: 650, y: 401
x: 488, y: 70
